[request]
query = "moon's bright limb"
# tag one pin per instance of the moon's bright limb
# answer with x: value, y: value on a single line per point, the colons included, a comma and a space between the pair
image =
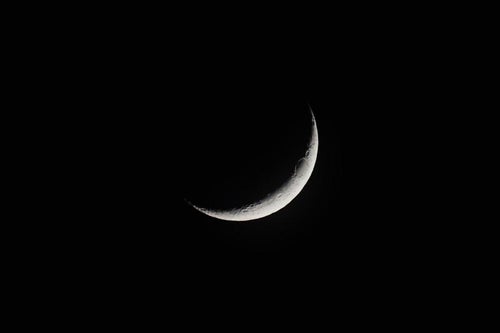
x: 282, y: 196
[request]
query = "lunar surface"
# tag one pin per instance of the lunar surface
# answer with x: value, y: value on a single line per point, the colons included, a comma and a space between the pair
x: 282, y: 196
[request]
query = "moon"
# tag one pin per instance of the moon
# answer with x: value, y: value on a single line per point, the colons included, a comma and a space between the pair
x: 280, y: 197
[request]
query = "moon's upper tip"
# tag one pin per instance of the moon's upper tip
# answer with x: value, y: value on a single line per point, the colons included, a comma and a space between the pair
x: 311, y: 111
x: 313, y: 118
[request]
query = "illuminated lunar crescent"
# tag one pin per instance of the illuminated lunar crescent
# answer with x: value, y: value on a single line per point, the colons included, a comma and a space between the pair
x: 282, y: 196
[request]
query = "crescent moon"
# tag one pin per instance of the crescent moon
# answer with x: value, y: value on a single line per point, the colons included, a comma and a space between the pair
x: 282, y: 196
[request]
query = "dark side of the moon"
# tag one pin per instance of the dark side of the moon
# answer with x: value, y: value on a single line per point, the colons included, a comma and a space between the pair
x: 244, y: 152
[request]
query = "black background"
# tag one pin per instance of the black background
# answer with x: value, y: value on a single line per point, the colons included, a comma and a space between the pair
x: 198, y: 124
x: 136, y: 112
x: 156, y: 116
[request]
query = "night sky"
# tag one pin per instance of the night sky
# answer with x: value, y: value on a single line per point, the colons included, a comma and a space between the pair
x: 137, y: 113
x: 222, y: 122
